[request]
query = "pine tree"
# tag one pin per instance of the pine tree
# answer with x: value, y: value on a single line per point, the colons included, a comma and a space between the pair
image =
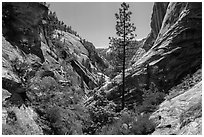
x: 124, y: 30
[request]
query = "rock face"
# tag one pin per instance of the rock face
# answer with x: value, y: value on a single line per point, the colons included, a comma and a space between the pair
x: 94, y: 56
x: 139, y: 53
x: 29, y: 56
x: 34, y: 47
x: 84, y: 73
x: 181, y: 115
x: 159, y: 11
x: 177, y: 51
x: 26, y: 118
x: 21, y: 25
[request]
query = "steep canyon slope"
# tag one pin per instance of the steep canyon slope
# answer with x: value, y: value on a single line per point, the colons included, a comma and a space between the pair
x: 177, y: 51
x: 173, y: 50
x: 47, y: 78
x: 36, y: 66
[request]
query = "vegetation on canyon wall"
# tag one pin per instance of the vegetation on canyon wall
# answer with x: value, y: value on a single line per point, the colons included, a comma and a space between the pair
x: 56, y: 83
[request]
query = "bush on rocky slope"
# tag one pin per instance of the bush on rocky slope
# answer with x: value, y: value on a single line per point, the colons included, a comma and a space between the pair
x: 59, y: 102
x: 189, y: 81
x: 107, y: 121
x: 128, y: 122
x: 60, y: 107
x: 12, y: 127
x: 151, y: 99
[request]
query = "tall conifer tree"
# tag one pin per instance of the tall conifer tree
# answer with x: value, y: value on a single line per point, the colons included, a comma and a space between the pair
x: 124, y: 30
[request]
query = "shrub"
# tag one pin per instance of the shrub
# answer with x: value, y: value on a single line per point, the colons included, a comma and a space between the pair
x: 22, y: 69
x: 151, y: 99
x: 102, y: 112
x: 59, y: 107
x: 143, y: 125
x: 120, y: 124
x: 100, y: 117
x: 68, y: 121
x: 48, y: 83
x: 128, y: 123
x: 12, y: 127
x: 12, y: 130
x: 60, y: 124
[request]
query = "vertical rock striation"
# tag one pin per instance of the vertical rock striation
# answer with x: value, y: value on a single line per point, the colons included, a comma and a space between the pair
x: 176, y: 50
x: 159, y: 11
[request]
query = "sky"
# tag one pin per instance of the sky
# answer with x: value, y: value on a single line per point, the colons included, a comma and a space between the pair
x: 95, y: 21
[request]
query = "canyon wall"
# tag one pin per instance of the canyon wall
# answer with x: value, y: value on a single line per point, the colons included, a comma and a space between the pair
x: 176, y: 51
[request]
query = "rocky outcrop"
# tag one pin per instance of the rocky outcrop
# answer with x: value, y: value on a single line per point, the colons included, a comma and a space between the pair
x: 31, y: 37
x: 16, y: 89
x: 181, y: 115
x: 159, y: 11
x: 138, y: 54
x: 21, y: 23
x: 30, y: 57
x: 177, y: 51
x: 24, y: 121
x: 97, y: 60
x: 85, y: 74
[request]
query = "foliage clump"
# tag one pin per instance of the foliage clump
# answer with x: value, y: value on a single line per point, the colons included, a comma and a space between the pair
x: 151, y: 99
x: 59, y: 107
x: 128, y: 122
x: 12, y: 127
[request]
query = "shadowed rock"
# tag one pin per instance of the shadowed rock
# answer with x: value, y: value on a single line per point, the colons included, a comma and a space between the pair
x: 176, y: 52
x: 48, y: 73
x: 18, y: 92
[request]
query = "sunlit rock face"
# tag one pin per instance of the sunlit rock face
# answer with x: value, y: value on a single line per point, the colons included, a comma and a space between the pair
x: 158, y: 13
x: 30, y: 57
x: 177, y: 51
x: 181, y: 115
x: 178, y: 47
x: 24, y: 28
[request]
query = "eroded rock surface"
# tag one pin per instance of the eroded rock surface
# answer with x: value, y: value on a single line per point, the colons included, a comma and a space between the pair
x: 159, y: 11
x: 177, y: 51
x: 181, y: 115
x: 30, y: 57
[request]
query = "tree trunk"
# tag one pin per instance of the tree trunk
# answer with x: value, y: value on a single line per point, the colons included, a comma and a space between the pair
x: 123, y: 76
